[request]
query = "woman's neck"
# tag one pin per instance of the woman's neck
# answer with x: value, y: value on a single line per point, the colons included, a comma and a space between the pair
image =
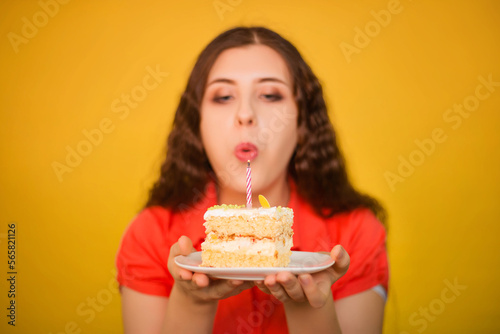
x: 277, y: 194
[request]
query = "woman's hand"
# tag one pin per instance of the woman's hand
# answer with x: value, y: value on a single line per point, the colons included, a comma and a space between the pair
x: 312, y: 288
x: 199, y: 287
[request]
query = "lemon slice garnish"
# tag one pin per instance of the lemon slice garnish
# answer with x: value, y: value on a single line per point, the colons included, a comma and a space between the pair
x: 263, y: 202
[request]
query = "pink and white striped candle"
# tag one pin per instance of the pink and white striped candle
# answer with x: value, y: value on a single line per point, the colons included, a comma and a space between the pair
x: 249, y: 185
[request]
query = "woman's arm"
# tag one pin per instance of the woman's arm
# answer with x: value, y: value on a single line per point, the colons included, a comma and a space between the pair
x: 142, y: 313
x: 151, y: 314
x: 191, y: 306
x: 307, y: 299
x: 361, y: 313
x: 304, y: 318
x: 187, y: 315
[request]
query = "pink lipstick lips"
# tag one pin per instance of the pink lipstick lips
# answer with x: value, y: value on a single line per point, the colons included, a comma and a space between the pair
x: 246, y: 151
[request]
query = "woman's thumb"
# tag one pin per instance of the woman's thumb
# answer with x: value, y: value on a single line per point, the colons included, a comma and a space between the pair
x: 185, y: 245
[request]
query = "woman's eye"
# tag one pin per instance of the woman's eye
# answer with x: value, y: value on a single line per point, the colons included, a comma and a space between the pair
x: 272, y: 97
x: 222, y: 99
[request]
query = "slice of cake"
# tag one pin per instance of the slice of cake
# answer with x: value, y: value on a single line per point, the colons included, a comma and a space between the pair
x: 241, y: 237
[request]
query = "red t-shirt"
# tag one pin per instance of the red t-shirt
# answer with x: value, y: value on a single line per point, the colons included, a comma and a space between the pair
x: 143, y: 255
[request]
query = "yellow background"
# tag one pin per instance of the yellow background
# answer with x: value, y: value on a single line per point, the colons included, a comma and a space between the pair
x: 396, y: 89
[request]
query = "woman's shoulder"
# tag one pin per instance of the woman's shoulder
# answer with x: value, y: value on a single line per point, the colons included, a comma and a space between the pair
x: 154, y: 216
x: 360, y: 221
x: 347, y: 219
x: 356, y: 216
x: 353, y: 227
x: 149, y: 223
x: 358, y: 230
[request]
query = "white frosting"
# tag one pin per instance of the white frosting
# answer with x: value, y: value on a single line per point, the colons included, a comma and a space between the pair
x: 226, y: 212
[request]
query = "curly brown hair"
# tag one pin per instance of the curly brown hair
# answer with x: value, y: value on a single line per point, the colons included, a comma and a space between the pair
x: 317, y: 165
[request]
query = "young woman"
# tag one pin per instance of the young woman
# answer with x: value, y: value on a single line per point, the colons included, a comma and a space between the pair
x: 252, y: 97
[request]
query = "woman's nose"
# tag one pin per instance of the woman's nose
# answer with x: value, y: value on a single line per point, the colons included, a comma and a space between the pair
x: 245, y: 115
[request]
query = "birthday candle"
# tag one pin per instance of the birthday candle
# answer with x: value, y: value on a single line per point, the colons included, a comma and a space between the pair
x: 249, y: 185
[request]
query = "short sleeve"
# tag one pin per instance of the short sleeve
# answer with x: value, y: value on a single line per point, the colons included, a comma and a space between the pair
x: 364, y: 238
x: 142, y: 257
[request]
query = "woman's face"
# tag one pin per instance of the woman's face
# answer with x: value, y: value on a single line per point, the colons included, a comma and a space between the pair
x: 248, y: 112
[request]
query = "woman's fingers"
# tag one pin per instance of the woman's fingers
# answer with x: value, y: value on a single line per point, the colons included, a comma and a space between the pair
x: 318, y: 290
x: 199, y: 286
x: 200, y: 280
x: 184, y: 274
x: 283, y: 286
x: 221, y: 289
x: 239, y: 286
x: 275, y: 288
x: 172, y: 268
x: 262, y: 287
x: 342, y: 261
x: 291, y: 285
x: 315, y: 288
x: 312, y: 290
x: 185, y: 245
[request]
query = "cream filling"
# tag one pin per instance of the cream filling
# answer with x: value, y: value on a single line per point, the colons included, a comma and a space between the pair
x: 249, y: 245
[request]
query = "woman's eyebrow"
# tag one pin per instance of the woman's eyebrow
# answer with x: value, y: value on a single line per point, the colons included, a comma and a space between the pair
x: 272, y: 79
x: 260, y: 80
x: 221, y: 80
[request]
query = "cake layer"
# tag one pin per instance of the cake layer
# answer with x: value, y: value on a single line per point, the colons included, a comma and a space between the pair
x: 261, y: 223
x: 222, y: 259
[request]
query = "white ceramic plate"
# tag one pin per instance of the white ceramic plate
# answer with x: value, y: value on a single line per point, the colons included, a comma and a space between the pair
x: 300, y: 263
